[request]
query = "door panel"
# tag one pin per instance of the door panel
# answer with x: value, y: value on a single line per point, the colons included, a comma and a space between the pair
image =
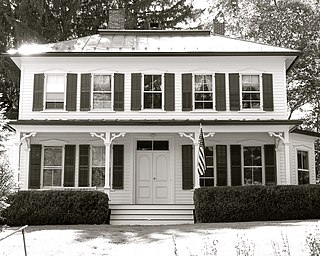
x: 153, y: 177
x: 144, y: 177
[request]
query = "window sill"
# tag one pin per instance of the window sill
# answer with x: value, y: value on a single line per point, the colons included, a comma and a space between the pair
x: 101, y: 111
x: 152, y: 111
x: 203, y: 110
x: 54, y: 111
x: 252, y: 111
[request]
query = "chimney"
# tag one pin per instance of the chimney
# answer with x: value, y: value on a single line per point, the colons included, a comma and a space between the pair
x: 218, y: 27
x: 154, y: 25
x: 116, y: 19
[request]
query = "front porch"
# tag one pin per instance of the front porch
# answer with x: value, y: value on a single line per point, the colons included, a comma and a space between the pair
x: 152, y: 163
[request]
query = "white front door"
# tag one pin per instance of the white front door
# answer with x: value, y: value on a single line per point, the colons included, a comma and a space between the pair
x: 153, y: 177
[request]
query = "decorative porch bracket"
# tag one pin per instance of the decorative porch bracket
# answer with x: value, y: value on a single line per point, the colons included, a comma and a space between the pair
x: 284, y: 138
x: 107, y: 141
x: 196, y: 152
x: 26, y: 137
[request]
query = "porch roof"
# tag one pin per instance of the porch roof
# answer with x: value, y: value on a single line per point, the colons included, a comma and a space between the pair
x: 144, y: 122
x: 307, y: 133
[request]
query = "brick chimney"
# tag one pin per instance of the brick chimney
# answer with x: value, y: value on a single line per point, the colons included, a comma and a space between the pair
x: 218, y: 27
x: 116, y: 19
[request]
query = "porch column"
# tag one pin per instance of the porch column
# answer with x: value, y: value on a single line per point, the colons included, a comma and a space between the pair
x: 107, y: 139
x: 284, y: 138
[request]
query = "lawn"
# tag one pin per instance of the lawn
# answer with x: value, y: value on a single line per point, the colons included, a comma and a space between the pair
x: 260, y: 238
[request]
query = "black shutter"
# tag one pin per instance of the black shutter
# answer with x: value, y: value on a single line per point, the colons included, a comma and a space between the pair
x: 118, y: 166
x: 186, y: 92
x: 69, y: 165
x: 38, y: 88
x: 136, y: 91
x: 169, y: 84
x: 234, y: 92
x: 221, y: 154
x: 85, y: 95
x: 267, y: 84
x: 118, y: 92
x: 84, y: 166
x: 270, y: 164
x: 34, y: 166
x: 220, y: 84
x: 71, y: 104
x: 187, y: 167
x: 235, y: 151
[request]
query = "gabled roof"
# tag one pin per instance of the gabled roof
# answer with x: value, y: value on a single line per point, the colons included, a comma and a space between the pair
x: 155, y: 43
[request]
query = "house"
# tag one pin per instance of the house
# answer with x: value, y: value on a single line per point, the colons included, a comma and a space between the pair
x: 120, y: 111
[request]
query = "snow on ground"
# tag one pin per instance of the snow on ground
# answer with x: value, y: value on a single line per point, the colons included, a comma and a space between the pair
x: 197, y: 239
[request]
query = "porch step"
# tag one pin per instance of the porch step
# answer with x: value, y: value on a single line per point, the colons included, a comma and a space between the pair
x: 146, y: 214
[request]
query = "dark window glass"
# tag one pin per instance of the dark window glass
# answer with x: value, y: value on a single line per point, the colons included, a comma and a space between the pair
x: 160, y: 145
x: 144, y: 145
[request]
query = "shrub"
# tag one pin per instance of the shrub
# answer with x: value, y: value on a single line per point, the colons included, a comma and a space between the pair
x: 257, y: 203
x: 57, y: 208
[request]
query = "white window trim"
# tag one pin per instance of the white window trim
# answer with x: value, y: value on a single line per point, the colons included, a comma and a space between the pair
x: 251, y: 110
x: 303, y: 170
x: 112, y: 93
x: 45, y: 93
x: 194, y: 109
x: 162, y: 93
x: 42, y: 166
x: 262, y: 163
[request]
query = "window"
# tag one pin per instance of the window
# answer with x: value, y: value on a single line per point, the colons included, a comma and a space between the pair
x: 55, y: 91
x: 152, y: 92
x: 52, y: 166
x: 203, y: 92
x: 303, y: 167
x: 153, y: 145
x: 207, y: 179
x: 102, y: 92
x: 252, y: 165
x: 251, y: 92
x: 98, y: 166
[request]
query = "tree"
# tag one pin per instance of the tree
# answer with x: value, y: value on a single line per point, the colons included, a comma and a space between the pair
x: 46, y: 21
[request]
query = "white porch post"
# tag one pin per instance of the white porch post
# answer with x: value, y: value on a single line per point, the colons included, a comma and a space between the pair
x: 284, y: 137
x: 107, y: 139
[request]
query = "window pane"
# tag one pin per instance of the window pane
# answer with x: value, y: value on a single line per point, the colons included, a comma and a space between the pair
x: 203, y: 83
x: 252, y: 156
x: 47, y: 177
x: 55, y: 83
x: 102, y: 83
x: 152, y: 83
x: 52, y: 177
x: 144, y: 145
x: 56, y: 177
x: 157, y: 100
x: 160, y: 145
x: 257, y: 175
x: 303, y: 177
x: 98, y: 156
x: 247, y: 176
x: 102, y: 101
x: 98, y: 176
x: 53, y: 156
x: 156, y: 83
x: 148, y: 82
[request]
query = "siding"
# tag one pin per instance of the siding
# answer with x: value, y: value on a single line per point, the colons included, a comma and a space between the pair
x: 175, y: 65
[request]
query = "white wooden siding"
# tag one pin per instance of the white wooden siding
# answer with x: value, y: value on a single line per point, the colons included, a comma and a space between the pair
x: 177, y: 65
x: 304, y: 143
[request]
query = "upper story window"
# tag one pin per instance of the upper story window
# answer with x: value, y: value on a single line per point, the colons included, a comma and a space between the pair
x: 252, y: 165
x: 203, y: 92
x: 152, y: 92
x: 303, y: 167
x: 55, y: 91
x: 251, y: 92
x: 102, y: 92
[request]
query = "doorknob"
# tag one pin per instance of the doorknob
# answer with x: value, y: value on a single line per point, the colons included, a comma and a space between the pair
x: 154, y: 178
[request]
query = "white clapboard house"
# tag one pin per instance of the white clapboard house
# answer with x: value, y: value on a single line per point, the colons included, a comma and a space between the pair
x: 120, y: 112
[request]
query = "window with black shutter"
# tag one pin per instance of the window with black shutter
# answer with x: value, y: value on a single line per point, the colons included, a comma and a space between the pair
x: 118, y: 167
x: 187, y: 167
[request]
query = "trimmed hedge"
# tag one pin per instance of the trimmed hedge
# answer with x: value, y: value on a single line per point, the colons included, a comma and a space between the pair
x: 257, y: 203
x: 56, y: 208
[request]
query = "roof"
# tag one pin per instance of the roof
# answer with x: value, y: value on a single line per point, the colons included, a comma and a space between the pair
x: 307, y: 133
x: 153, y: 41
x: 154, y: 122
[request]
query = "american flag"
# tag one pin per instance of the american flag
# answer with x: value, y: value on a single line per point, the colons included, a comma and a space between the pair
x: 201, y: 156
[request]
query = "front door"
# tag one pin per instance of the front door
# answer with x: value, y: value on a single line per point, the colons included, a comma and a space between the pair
x: 153, y: 177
